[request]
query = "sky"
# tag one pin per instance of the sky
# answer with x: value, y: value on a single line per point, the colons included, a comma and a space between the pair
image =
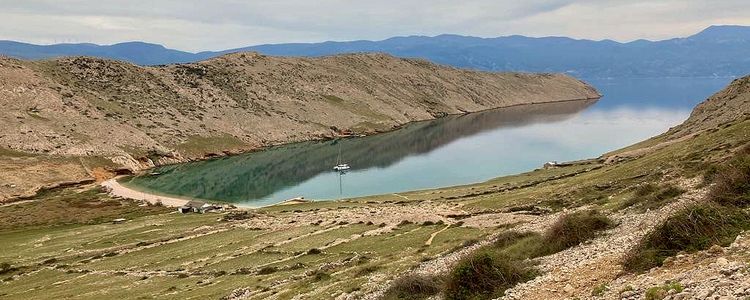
x: 223, y: 24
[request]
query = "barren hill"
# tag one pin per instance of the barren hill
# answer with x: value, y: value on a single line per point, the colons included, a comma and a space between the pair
x: 134, y: 116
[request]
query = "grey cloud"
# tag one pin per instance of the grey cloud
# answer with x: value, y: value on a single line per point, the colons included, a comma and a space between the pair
x: 210, y: 25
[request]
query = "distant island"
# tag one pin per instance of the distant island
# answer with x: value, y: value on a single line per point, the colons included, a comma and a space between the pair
x: 717, y: 51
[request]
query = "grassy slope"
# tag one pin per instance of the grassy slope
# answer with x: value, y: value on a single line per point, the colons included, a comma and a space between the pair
x: 69, y: 249
x: 197, y: 256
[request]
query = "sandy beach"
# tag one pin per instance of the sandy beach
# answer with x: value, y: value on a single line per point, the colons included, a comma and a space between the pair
x: 119, y: 190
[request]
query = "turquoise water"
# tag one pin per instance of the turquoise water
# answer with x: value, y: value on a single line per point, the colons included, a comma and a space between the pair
x: 450, y: 151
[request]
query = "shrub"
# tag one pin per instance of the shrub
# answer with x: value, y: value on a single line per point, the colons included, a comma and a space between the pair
x: 7, y: 268
x: 599, y: 290
x: 414, y: 287
x: 660, y: 292
x: 692, y: 229
x: 366, y: 270
x: 653, y: 196
x: 486, y: 274
x: 314, y: 251
x: 267, y: 270
x: 404, y: 223
x: 732, y: 181
x: 508, y: 238
x: 237, y: 216
x: 572, y: 229
x: 320, y: 275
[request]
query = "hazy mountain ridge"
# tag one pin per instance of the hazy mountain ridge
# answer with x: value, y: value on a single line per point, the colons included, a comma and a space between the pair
x: 715, y: 51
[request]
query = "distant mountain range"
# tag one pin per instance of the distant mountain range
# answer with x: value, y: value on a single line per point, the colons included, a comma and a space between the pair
x: 717, y: 51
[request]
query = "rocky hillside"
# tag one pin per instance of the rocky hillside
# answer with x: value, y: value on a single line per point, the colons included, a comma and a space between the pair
x: 728, y: 105
x: 132, y: 116
x: 87, y: 106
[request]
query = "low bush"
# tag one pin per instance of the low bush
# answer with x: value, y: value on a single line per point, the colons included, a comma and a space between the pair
x: 414, y: 287
x: 486, y: 274
x: 320, y: 275
x: 7, y: 268
x: 572, y: 229
x: 404, y: 223
x: 267, y: 270
x: 731, y: 182
x: 599, y: 290
x: 366, y: 270
x: 649, y: 196
x: 692, y: 229
x: 661, y: 292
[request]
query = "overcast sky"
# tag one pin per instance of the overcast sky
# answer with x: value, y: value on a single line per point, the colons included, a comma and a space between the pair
x: 222, y: 24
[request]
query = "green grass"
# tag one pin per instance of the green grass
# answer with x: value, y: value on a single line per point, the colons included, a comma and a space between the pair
x: 652, y: 196
x: 661, y: 292
x: 67, y: 206
x: 599, y: 290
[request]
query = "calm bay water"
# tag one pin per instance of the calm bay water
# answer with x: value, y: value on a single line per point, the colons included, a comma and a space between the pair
x: 450, y: 151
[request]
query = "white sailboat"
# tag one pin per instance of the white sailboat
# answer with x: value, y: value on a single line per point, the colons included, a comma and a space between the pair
x: 341, y: 167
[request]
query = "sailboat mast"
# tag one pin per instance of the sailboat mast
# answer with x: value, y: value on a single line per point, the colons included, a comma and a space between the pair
x: 338, y: 160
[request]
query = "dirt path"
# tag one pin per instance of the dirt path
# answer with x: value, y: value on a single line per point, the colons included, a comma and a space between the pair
x: 119, y: 190
x: 432, y: 236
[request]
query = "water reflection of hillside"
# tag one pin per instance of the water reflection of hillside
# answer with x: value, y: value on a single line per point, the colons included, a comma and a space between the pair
x: 257, y: 175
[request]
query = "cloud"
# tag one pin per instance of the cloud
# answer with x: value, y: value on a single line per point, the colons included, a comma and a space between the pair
x: 211, y: 25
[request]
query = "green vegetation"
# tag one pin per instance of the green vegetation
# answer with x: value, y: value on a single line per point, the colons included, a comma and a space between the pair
x: 661, y: 292
x: 67, y: 206
x: 489, y: 271
x: 651, y: 196
x: 715, y: 221
x: 732, y: 181
x: 599, y: 290
x: 486, y: 274
x: 414, y: 287
x: 573, y: 229
x: 692, y: 229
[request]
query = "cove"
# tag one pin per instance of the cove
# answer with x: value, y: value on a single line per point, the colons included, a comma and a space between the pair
x: 449, y: 151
